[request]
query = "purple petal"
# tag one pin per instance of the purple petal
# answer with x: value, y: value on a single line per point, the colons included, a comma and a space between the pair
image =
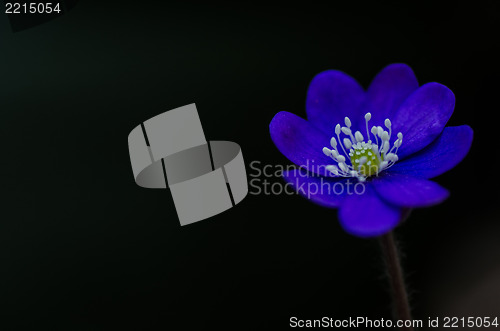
x: 407, y: 191
x: 422, y: 117
x: 388, y: 90
x: 367, y: 215
x: 300, y: 142
x: 331, y: 96
x: 443, y: 154
x: 327, y: 192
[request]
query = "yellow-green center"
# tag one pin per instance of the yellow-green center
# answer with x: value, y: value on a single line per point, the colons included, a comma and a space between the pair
x: 370, y: 166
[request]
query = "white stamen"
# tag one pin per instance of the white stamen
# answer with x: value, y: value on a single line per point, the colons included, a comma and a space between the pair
x: 386, y: 147
x: 327, y: 151
x: 387, y: 123
x: 374, y: 132
x: 391, y: 157
x: 332, y: 168
x: 359, y: 136
x: 347, y: 143
x: 368, y: 117
x: 337, y: 129
x: 346, y: 131
x: 333, y: 142
x: 347, y: 122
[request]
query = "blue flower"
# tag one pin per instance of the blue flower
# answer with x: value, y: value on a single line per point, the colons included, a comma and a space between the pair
x: 391, y: 138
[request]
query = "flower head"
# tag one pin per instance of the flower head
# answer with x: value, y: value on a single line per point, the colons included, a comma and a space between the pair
x: 391, y: 137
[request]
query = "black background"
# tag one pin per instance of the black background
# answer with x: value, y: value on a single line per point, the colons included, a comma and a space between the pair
x: 82, y: 247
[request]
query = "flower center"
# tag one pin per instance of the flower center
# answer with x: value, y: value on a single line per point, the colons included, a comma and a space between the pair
x: 364, y: 157
x: 360, y: 159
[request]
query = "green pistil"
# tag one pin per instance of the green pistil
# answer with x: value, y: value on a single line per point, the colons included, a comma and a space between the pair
x: 370, y: 166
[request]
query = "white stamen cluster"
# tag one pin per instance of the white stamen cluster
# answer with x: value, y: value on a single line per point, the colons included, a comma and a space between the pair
x: 360, y: 159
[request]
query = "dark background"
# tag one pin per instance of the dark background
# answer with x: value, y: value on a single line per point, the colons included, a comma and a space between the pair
x: 82, y: 247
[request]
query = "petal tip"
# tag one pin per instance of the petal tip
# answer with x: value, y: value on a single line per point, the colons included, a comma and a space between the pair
x: 398, y: 66
x: 436, y: 87
x: 400, y: 69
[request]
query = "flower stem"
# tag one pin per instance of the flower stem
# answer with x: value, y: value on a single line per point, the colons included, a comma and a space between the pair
x: 395, y: 273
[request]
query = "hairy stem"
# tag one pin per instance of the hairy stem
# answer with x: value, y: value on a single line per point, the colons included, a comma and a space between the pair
x: 396, y: 279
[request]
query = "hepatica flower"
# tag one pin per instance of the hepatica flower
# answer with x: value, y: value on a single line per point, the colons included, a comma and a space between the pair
x: 391, y: 138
